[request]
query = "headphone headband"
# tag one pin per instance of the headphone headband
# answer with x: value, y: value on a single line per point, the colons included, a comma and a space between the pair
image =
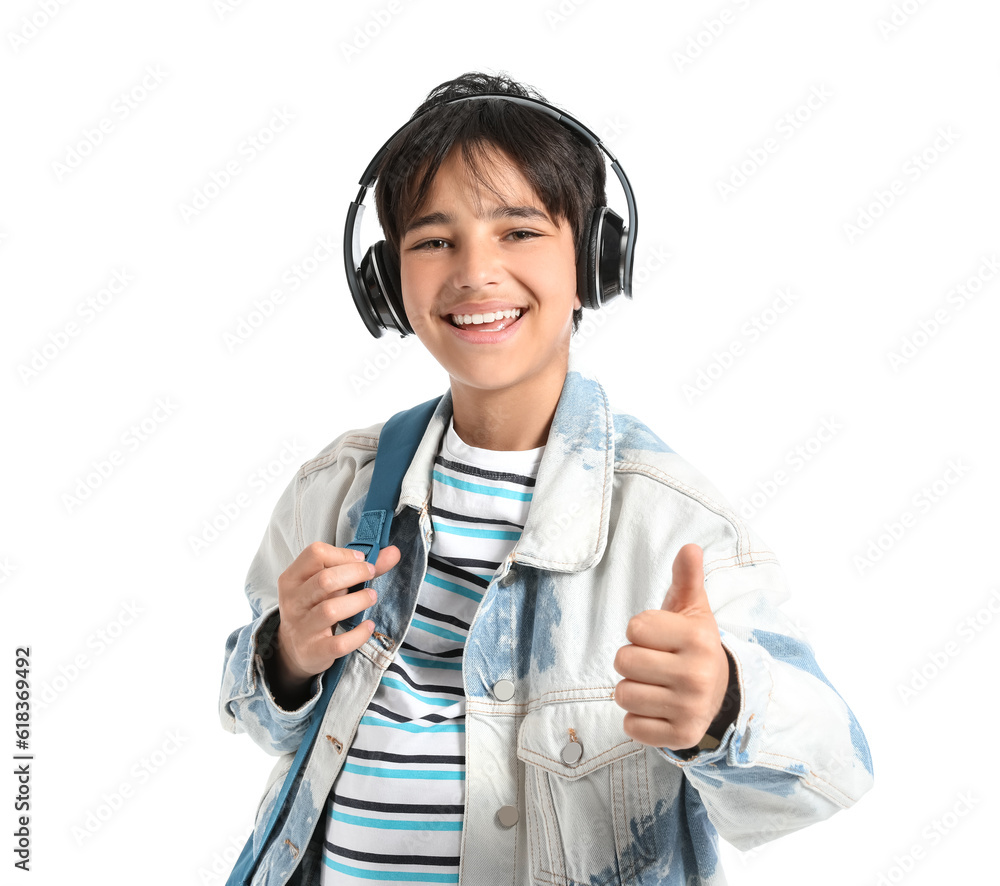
x: 377, y: 307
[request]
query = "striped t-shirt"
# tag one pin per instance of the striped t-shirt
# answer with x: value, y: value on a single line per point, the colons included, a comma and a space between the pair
x: 395, y: 812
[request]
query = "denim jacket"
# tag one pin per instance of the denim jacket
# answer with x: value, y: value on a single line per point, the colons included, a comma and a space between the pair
x: 611, y: 508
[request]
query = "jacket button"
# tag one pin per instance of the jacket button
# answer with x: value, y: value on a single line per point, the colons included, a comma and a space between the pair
x: 508, y: 579
x: 507, y: 816
x: 572, y: 753
x: 503, y: 690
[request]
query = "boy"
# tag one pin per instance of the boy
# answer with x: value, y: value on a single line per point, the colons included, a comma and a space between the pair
x: 572, y: 668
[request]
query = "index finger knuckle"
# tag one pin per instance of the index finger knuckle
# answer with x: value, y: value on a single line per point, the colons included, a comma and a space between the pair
x: 641, y: 626
x: 327, y: 581
x: 316, y: 550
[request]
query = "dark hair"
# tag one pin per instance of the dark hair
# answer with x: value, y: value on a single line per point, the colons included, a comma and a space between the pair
x: 566, y: 172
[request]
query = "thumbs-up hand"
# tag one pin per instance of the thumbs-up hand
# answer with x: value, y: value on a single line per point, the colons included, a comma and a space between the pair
x: 676, y: 670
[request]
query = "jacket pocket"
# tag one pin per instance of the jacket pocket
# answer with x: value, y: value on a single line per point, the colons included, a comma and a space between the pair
x: 275, y: 781
x: 587, y: 798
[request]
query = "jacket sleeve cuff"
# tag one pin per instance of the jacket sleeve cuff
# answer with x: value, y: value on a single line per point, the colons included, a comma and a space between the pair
x: 742, y: 737
x: 260, y: 646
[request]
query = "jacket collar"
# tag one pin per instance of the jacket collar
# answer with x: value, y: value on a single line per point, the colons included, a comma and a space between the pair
x: 567, y: 526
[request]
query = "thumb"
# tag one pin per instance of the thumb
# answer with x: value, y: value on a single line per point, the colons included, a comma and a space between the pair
x: 687, y: 589
x: 387, y: 558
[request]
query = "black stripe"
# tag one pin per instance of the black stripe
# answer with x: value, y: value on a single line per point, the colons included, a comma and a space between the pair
x: 426, y: 687
x: 386, y: 757
x: 449, y: 653
x: 465, y: 561
x: 457, y: 571
x: 442, y: 617
x: 401, y: 808
x: 392, y: 715
x: 501, y: 476
x: 464, y: 518
x: 390, y: 859
x: 404, y: 718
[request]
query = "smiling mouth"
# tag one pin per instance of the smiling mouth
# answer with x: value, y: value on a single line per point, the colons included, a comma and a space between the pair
x: 489, y: 320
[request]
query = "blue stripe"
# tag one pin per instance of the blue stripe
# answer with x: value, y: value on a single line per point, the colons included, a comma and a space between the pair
x: 430, y: 774
x: 407, y: 876
x: 395, y: 824
x: 414, y: 727
x: 441, y: 632
x: 495, y: 491
x: 431, y: 663
x: 480, y: 533
x: 454, y: 588
x: 397, y: 684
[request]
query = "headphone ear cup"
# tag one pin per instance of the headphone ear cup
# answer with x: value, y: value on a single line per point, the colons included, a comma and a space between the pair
x: 366, y: 295
x: 392, y: 286
x: 379, y: 274
x: 599, y: 273
x: 586, y: 273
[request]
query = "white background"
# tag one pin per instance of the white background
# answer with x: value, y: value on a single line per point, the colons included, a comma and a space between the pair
x: 126, y: 621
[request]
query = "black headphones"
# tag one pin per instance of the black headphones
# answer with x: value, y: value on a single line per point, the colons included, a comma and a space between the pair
x: 604, y: 268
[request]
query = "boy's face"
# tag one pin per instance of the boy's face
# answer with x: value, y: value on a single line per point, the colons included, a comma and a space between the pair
x: 476, y: 250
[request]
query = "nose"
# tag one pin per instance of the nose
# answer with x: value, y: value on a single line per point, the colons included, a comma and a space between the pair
x: 477, y: 263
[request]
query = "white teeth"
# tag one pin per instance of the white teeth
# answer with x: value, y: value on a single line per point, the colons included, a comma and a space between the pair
x: 488, y: 317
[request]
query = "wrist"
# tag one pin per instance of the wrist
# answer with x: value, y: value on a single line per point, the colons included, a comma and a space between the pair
x: 730, y: 706
x: 289, y: 684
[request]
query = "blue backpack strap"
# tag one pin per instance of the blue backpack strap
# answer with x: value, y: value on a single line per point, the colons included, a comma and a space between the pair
x: 403, y: 433
x: 398, y: 442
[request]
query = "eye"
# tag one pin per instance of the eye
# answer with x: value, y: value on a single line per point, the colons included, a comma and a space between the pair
x: 431, y: 245
x: 523, y: 235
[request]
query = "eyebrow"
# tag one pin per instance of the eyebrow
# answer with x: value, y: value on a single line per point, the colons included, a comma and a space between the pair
x: 498, y: 212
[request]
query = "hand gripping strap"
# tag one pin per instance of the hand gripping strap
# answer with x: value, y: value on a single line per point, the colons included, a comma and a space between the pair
x: 398, y: 442
x: 368, y: 537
